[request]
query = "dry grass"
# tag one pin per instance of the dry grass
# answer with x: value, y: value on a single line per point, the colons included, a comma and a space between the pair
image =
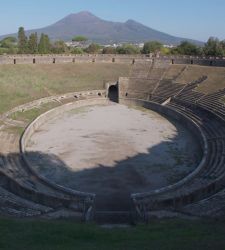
x: 15, y: 130
x: 173, y: 71
x: 23, y: 83
x: 31, y: 114
x: 215, y: 81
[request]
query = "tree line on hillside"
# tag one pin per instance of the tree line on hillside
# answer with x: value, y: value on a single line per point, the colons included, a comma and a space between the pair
x: 213, y: 47
x: 42, y: 45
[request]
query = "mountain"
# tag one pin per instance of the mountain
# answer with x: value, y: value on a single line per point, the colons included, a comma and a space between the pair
x: 102, y: 31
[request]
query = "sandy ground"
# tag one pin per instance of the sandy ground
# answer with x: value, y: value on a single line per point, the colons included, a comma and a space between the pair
x: 113, y: 151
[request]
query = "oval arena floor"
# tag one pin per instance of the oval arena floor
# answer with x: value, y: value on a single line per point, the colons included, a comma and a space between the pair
x: 113, y: 150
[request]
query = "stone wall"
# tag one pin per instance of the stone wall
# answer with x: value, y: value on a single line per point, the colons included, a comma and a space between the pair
x: 202, y: 61
x: 100, y: 58
x: 138, y: 88
x: 51, y: 59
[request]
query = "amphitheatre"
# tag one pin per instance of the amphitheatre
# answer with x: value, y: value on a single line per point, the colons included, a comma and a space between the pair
x: 112, y: 138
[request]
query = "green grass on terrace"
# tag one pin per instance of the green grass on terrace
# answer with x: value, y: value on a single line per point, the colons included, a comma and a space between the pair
x: 31, y: 114
x: 159, y: 235
x: 14, y: 130
x: 20, y: 84
x: 28, y: 116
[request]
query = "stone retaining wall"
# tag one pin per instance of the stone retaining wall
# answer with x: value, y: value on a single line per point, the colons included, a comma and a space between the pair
x: 200, y: 62
x: 100, y: 58
x: 56, y: 59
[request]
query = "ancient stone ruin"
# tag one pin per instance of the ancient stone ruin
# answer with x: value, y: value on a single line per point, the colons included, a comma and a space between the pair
x: 165, y: 87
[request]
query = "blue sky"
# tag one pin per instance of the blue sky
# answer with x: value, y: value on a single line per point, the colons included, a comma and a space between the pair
x: 197, y: 19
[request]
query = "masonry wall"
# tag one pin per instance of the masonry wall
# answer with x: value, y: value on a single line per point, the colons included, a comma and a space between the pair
x: 138, y: 88
x: 100, y: 58
x: 202, y: 61
x: 51, y: 59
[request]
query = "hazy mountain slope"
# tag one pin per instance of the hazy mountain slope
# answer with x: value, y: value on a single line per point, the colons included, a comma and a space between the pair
x: 98, y: 30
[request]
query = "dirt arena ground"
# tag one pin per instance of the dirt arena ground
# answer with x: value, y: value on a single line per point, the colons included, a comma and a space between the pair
x: 113, y: 151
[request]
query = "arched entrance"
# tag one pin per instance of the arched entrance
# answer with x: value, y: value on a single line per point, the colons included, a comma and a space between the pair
x: 113, y: 94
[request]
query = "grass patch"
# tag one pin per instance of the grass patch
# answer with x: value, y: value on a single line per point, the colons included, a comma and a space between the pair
x: 30, y: 115
x: 214, y: 82
x: 174, y: 71
x: 20, y: 84
x: 16, y: 130
x: 159, y: 235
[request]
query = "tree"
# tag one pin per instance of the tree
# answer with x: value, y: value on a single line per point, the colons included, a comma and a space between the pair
x: 93, y: 48
x: 8, y: 45
x: 77, y: 51
x: 22, y: 41
x: 187, y: 48
x: 214, y: 47
x: 59, y: 47
x: 109, y: 50
x: 81, y: 39
x: 33, y: 44
x: 8, y: 42
x: 44, y: 46
x: 128, y: 49
x: 152, y: 47
x: 222, y: 44
x: 165, y: 51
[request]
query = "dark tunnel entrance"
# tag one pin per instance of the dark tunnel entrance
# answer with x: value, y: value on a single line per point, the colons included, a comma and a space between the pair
x: 113, y: 94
